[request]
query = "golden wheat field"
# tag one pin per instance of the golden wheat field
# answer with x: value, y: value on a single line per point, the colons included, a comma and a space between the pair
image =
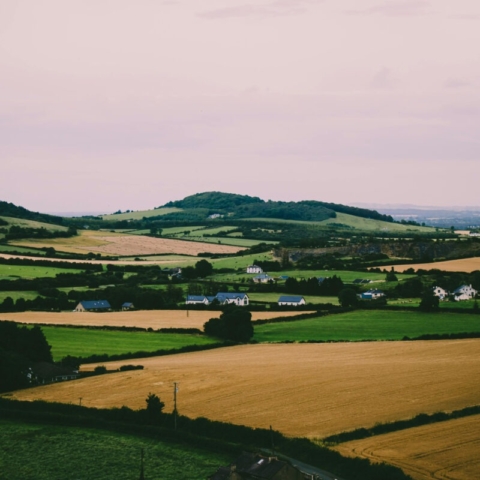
x: 467, y: 265
x: 311, y: 390
x: 142, y: 318
x: 446, y: 450
x: 127, y: 245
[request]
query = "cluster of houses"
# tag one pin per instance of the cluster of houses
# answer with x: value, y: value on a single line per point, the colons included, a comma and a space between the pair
x: 464, y: 292
x: 99, y: 306
x: 239, y: 299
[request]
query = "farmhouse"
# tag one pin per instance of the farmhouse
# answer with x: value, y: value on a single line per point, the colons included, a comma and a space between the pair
x: 223, y: 298
x: 263, y: 278
x: 249, y: 466
x: 128, y: 306
x: 372, y: 294
x: 291, y: 300
x: 464, y: 292
x: 254, y: 269
x: 440, y: 293
x: 93, y: 306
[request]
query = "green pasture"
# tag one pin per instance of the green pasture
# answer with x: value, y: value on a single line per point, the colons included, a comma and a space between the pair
x: 240, y: 261
x: 83, y: 342
x: 36, y: 451
x: 26, y: 294
x: 170, y: 260
x: 368, y: 325
x: 139, y: 214
x: 273, y: 298
x: 11, y: 272
x: 21, y: 222
x: 22, y: 250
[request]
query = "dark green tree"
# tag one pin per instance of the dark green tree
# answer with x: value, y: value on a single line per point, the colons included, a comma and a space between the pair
x: 203, y: 268
x: 348, y: 297
x: 154, y: 407
x: 429, y: 302
x: 390, y: 276
x: 235, y: 324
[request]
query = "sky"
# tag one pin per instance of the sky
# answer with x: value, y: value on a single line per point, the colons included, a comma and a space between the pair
x: 110, y: 105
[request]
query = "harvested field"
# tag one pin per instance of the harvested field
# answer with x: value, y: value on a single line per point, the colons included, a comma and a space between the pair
x: 124, y: 245
x: 445, y: 450
x: 142, y: 318
x: 311, y: 390
x: 467, y: 265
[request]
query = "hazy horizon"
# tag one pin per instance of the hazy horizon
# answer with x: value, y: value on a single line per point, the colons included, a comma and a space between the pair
x: 114, y: 105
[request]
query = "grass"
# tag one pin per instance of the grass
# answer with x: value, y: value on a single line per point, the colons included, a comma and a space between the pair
x: 22, y: 250
x: 20, y: 222
x: 45, y: 452
x: 11, y: 272
x: 273, y: 297
x: 139, y: 214
x: 83, y: 342
x: 26, y: 294
x: 368, y: 325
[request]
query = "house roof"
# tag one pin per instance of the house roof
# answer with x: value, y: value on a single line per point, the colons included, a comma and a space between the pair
x: 263, y: 275
x: 95, y: 304
x: 230, y: 296
x: 196, y: 298
x: 290, y: 298
x: 127, y: 304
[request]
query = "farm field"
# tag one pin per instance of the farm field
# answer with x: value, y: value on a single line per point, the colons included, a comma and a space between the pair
x: 12, y: 272
x: 311, y: 390
x: 154, y: 319
x: 14, y: 295
x: 84, y: 342
x: 444, y: 450
x: 273, y: 297
x: 21, y: 250
x: 467, y: 265
x: 139, y: 214
x: 100, y: 454
x: 124, y: 245
x: 21, y: 222
x: 368, y: 325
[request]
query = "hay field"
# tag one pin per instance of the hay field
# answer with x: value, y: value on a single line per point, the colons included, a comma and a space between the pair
x: 124, y: 245
x: 467, y: 265
x: 445, y: 450
x: 142, y: 318
x: 311, y: 390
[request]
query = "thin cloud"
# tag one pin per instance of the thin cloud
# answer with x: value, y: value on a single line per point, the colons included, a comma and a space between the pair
x: 383, y: 79
x: 396, y: 9
x: 456, y: 83
x: 271, y: 9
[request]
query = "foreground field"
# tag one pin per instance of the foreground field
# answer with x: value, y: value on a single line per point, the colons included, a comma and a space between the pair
x: 467, y: 265
x: 445, y: 450
x: 33, y: 452
x: 309, y: 390
x: 124, y: 245
x: 154, y: 319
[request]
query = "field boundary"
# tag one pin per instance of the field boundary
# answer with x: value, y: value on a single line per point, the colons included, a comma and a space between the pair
x: 417, y: 421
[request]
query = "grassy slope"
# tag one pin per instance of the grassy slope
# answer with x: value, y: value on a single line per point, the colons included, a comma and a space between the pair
x: 368, y: 325
x: 138, y: 215
x: 45, y: 452
x: 20, y: 222
x: 27, y: 271
x: 85, y: 342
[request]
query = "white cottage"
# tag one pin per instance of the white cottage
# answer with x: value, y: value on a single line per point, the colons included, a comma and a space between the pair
x: 291, y: 300
x: 254, y: 269
x: 464, y: 292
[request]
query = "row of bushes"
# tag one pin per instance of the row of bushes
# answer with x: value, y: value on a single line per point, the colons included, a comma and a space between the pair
x: 200, y: 432
x: 418, y: 420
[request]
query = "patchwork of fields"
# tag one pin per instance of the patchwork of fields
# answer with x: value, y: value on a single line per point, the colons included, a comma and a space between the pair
x: 446, y: 450
x: 468, y: 265
x: 311, y: 390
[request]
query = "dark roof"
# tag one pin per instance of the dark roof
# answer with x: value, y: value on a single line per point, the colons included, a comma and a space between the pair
x: 233, y: 295
x: 253, y: 466
x: 95, y: 304
x: 195, y: 298
x: 290, y: 298
x: 127, y: 304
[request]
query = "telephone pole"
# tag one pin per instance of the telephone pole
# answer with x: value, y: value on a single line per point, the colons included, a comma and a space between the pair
x: 175, y: 390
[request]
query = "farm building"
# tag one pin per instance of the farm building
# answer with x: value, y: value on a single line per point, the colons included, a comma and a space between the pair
x: 223, y: 298
x: 93, y: 306
x: 291, y: 300
x: 249, y: 466
x: 263, y: 278
x: 464, y: 292
x: 254, y: 269
x: 371, y: 294
x: 128, y: 306
x: 440, y: 293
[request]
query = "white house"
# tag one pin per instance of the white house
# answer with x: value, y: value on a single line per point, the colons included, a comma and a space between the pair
x: 263, y: 278
x: 439, y: 292
x: 197, y: 300
x: 254, y: 269
x: 372, y: 294
x: 291, y: 300
x: 240, y: 299
x: 464, y: 292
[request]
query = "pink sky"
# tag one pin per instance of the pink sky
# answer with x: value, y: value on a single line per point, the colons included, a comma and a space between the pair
x: 115, y: 104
